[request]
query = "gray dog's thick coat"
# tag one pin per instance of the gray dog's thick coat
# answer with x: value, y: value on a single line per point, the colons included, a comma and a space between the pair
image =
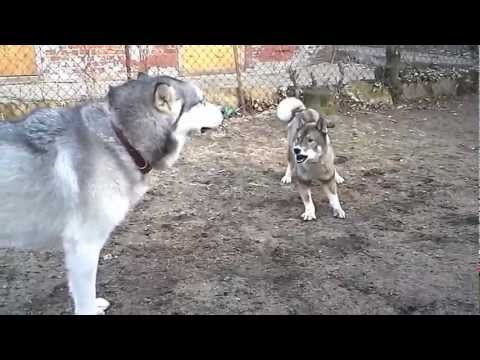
x: 66, y: 179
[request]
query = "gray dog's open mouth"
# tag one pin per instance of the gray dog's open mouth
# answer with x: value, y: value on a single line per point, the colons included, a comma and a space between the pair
x: 301, y: 158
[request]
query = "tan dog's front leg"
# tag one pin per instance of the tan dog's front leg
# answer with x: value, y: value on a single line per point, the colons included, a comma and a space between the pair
x: 332, y: 195
x: 287, y: 178
x: 306, y: 196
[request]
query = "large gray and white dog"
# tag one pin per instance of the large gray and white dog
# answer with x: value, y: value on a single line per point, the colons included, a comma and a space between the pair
x: 69, y: 176
x: 310, y: 155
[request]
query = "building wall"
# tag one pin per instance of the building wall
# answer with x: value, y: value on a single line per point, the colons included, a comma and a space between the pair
x: 76, y: 72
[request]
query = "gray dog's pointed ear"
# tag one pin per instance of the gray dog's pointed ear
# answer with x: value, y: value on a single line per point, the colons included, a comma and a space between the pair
x: 142, y: 76
x: 322, y: 124
x: 164, y: 97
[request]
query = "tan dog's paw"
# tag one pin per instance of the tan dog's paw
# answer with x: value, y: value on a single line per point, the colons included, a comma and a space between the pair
x: 339, y: 213
x: 339, y: 179
x: 309, y: 215
x: 287, y: 179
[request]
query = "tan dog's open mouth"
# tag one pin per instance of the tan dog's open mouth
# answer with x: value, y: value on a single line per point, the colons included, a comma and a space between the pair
x: 301, y: 158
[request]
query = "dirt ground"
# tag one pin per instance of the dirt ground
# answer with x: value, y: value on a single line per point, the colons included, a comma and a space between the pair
x: 219, y: 234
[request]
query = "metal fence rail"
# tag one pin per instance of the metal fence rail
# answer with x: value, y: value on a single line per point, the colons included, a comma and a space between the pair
x: 250, y: 76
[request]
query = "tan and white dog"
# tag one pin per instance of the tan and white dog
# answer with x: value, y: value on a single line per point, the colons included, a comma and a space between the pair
x: 310, y: 155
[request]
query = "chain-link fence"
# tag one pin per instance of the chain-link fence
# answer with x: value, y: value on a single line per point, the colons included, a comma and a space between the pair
x: 252, y: 77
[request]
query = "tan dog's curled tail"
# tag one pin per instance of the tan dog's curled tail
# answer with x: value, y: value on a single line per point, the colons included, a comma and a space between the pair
x: 288, y: 107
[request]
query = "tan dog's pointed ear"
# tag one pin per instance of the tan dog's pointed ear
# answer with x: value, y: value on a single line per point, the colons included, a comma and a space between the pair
x: 322, y: 125
x: 164, y: 98
x: 310, y: 116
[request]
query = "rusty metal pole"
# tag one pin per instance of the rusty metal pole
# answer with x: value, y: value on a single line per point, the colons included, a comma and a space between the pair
x: 392, y: 70
x: 128, y: 60
x: 334, y: 52
x: 239, y: 78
